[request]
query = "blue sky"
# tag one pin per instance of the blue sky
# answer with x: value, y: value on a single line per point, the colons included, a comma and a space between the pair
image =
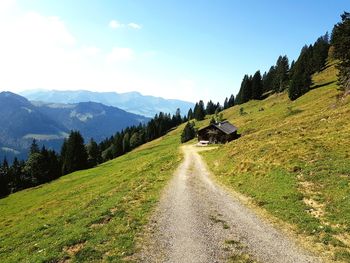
x: 175, y: 49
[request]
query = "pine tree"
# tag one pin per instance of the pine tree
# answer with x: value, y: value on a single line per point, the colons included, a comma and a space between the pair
x: 73, y: 153
x: 94, y: 154
x: 189, y: 132
x: 256, y: 86
x: 4, y: 179
x: 245, y: 92
x: 34, y: 148
x: 341, y: 42
x: 320, y: 53
x: 126, y: 142
x: 210, y: 109
x: 177, y: 117
x: 34, y: 168
x: 281, y: 77
x: 301, y: 80
x: 190, y: 114
x: 226, y: 103
x: 199, y: 111
x: 269, y: 79
x: 231, y: 101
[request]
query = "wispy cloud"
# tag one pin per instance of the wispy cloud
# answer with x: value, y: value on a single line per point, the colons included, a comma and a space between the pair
x: 114, y: 24
x: 134, y: 26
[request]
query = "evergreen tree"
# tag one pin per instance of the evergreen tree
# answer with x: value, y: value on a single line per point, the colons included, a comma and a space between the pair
x: 15, y: 175
x: 320, y: 52
x: 199, y: 111
x: 245, y: 92
x: 218, y: 107
x: 226, y: 103
x: 73, y: 153
x: 301, y: 80
x: 189, y: 132
x: 126, y: 142
x: 135, y: 140
x: 281, y: 77
x: 177, y: 117
x: 231, y: 101
x: 4, y: 179
x: 210, y: 109
x: 341, y: 42
x: 34, y: 148
x: 190, y: 114
x: 269, y: 79
x: 256, y: 86
x: 94, y: 154
x: 33, y: 168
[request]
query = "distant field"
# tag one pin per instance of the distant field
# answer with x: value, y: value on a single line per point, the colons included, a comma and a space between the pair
x: 293, y: 160
x: 90, y: 215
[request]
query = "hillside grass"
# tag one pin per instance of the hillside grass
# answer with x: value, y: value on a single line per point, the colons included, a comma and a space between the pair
x: 88, y: 216
x: 293, y: 161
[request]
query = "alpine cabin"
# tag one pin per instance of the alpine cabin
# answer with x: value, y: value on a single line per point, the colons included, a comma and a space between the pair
x: 220, y: 132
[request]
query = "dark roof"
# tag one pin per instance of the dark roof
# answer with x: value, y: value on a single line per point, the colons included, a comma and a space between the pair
x: 226, y: 127
x: 223, y: 126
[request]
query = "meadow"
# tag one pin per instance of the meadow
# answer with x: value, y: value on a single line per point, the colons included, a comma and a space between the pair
x: 293, y: 161
x: 89, y: 215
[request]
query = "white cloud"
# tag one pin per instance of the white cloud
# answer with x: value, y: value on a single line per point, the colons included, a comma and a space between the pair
x: 134, y: 26
x: 120, y: 54
x: 38, y: 51
x: 115, y: 24
x: 91, y: 51
x: 6, y: 5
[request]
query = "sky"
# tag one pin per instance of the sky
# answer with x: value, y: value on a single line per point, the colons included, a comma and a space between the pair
x: 189, y: 50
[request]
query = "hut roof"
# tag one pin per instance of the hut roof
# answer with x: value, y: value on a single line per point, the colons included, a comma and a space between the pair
x: 224, y: 126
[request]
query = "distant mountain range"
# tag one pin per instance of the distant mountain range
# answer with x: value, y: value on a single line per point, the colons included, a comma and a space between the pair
x: 49, y: 123
x: 131, y: 101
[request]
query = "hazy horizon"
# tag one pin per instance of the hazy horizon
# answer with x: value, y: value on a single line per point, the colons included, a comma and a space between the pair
x: 175, y: 49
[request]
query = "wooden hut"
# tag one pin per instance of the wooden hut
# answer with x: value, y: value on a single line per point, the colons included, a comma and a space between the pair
x: 221, y: 132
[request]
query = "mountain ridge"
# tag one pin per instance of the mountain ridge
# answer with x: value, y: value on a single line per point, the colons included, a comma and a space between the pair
x: 133, y: 102
x: 49, y: 124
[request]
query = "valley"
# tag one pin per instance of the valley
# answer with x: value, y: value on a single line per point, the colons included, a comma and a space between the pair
x: 101, y: 213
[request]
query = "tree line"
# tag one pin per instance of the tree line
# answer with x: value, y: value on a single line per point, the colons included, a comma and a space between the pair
x: 294, y: 77
x: 341, y: 43
x: 44, y: 165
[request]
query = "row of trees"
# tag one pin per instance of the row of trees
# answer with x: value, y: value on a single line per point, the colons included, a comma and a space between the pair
x: 45, y: 165
x: 341, y: 43
x: 200, y: 111
x: 296, y: 77
x: 132, y: 137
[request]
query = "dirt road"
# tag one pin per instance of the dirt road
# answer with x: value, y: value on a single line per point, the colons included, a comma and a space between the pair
x: 198, y: 221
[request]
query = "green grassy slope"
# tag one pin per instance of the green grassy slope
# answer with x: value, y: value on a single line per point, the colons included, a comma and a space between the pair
x: 88, y: 215
x: 293, y: 160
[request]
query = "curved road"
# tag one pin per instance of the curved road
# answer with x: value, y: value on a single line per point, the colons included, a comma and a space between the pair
x: 198, y: 221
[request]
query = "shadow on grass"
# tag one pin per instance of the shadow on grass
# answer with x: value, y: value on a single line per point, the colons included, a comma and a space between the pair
x: 322, y: 85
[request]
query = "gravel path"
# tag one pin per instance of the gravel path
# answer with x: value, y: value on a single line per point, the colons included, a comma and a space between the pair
x: 198, y: 221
